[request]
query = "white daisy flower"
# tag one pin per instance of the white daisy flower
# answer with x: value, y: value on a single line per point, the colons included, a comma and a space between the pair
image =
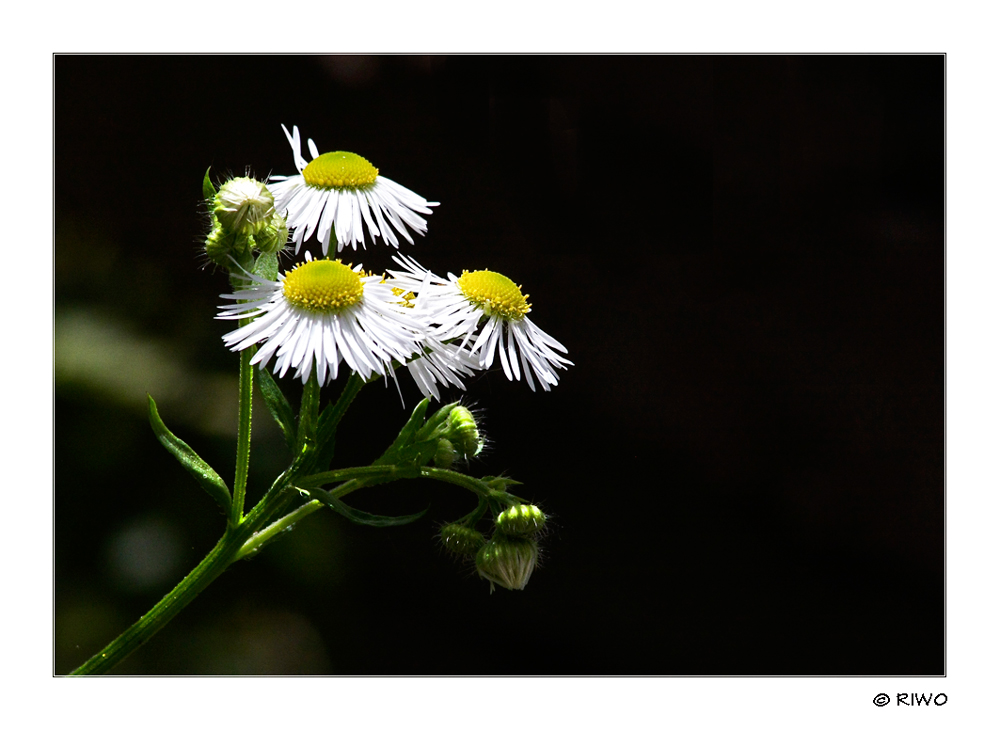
x: 335, y: 191
x: 322, y: 312
x: 457, y: 305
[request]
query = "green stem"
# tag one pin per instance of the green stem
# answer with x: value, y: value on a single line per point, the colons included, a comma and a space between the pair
x: 355, y: 474
x: 210, y: 568
x: 457, y: 478
x: 243, y: 435
x: 240, y: 530
x: 150, y: 623
x: 474, y: 517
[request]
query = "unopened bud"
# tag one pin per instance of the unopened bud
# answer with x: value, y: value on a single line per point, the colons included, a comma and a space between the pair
x: 507, y: 561
x: 243, y: 205
x: 445, y: 455
x: 461, y: 539
x: 464, y: 432
x: 222, y: 246
x: 273, y: 236
x: 521, y: 520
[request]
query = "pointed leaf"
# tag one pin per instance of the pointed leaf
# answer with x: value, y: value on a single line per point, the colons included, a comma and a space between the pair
x: 205, y: 476
x: 406, y: 434
x: 499, y: 482
x: 278, y: 405
x: 418, y: 454
x: 207, y: 189
x: 436, y: 420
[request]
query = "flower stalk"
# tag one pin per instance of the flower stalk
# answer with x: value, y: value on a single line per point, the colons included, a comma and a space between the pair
x: 243, y: 437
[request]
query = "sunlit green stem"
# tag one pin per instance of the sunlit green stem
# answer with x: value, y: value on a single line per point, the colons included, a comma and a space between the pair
x: 469, y: 483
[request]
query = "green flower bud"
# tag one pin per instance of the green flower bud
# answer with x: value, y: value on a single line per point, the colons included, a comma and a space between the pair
x: 521, y: 520
x: 222, y: 244
x: 464, y: 432
x: 445, y: 455
x: 461, y: 539
x: 243, y: 206
x: 507, y: 561
x: 273, y: 236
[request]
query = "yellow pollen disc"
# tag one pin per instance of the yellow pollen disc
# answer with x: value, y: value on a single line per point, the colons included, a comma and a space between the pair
x: 495, y: 293
x: 323, y: 285
x: 340, y: 170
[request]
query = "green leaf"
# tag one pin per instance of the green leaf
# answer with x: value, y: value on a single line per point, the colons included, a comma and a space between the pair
x: 439, y: 417
x: 278, y: 405
x: 360, y: 516
x: 266, y: 266
x: 418, y: 454
x: 329, y: 420
x: 205, y: 476
x: 207, y: 189
x: 327, y: 441
x: 406, y: 434
x: 499, y: 482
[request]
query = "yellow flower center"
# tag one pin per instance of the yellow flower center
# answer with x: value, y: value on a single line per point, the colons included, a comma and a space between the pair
x: 495, y: 294
x: 407, y: 297
x: 323, y: 285
x: 340, y: 170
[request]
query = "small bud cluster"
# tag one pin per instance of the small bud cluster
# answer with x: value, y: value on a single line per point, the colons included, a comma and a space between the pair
x: 510, y: 555
x: 244, y: 220
x: 458, y: 437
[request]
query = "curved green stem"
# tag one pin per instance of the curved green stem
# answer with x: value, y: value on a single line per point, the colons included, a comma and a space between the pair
x: 457, y: 478
x: 210, y: 568
x: 474, y: 517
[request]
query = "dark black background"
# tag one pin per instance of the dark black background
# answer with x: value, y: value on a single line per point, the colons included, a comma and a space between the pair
x: 745, y: 258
